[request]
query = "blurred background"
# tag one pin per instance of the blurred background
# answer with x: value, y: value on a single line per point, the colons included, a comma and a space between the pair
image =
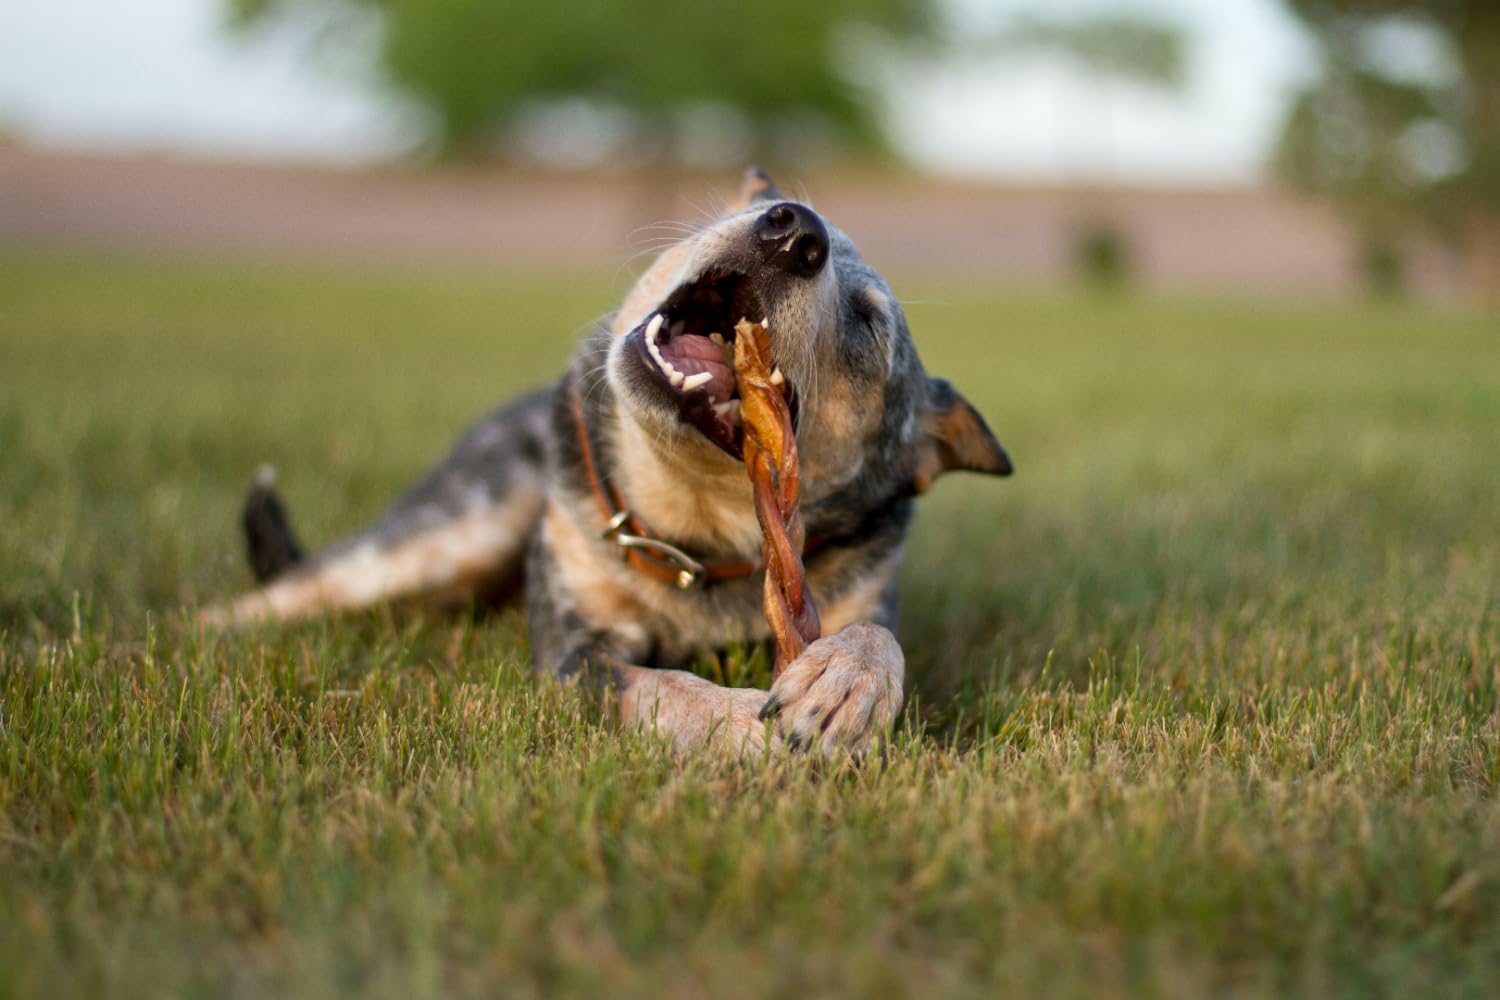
x: 1300, y: 146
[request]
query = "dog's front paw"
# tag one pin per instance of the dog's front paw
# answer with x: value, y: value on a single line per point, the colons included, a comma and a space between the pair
x: 842, y: 691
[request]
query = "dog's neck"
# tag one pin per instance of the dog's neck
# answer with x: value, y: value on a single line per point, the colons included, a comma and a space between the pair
x: 685, y: 493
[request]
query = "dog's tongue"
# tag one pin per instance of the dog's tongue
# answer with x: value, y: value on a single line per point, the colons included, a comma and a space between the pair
x: 692, y: 354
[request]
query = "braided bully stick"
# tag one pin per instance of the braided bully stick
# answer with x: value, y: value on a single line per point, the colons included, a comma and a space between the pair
x: 770, y: 451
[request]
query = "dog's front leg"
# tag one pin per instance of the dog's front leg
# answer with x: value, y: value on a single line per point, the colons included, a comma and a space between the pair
x: 602, y: 655
x: 842, y: 692
x: 692, y: 712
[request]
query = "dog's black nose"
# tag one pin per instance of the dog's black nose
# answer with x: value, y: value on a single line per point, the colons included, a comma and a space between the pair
x: 792, y: 238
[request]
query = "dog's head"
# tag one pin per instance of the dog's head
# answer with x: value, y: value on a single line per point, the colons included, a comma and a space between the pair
x: 864, y: 407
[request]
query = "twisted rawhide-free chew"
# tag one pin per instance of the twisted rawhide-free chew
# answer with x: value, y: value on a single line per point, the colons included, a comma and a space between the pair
x: 771, y: 460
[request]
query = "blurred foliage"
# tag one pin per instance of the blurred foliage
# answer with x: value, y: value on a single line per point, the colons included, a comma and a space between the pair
x: 1132, y: 48
x: 775, y: 73
x: 1401, y: 130
x: 1383, y: 265
x: 476, y: 64
x: 1110, y: 47
x: 1103, y: 255
x: 1138, y: 49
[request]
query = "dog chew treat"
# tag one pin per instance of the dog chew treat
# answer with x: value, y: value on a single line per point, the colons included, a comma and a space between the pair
x: 770, y: 451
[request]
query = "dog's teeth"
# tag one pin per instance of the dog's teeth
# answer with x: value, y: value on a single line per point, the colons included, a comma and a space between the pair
x: 677, y: 328
x: 673, y: 375
x: 694, y: 381
x: 656, y: 354
x: 717, y: 338
x: 765, y: 324
x: 653, y: 328
x: 776, y: 377
x: 727, y: 410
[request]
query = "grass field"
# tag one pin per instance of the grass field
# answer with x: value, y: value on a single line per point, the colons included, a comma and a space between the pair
x: 1205, y: 700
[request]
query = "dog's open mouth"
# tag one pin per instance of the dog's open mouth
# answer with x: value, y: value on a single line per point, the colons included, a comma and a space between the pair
x: 688, y: 344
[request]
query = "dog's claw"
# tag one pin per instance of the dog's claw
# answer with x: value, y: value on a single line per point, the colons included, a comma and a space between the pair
x: 843, y: 692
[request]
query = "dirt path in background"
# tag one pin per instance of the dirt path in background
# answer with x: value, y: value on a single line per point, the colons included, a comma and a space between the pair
x: 1250, y: 240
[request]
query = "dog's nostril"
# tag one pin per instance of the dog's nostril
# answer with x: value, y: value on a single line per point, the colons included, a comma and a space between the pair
x: 779, y: 223
x: 793, y: 239
x: 813, y: 253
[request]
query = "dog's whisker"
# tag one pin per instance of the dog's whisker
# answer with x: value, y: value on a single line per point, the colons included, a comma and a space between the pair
x: 672, y: 228
x: 707, y: 214
x: 672, y: 224
x: 650, y: 244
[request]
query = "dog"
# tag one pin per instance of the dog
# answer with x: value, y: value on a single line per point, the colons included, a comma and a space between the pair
x: 619, y: 500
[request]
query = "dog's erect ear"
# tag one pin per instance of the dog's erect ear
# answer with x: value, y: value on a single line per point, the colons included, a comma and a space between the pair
x: 954, y: 436
x: 758, y: 186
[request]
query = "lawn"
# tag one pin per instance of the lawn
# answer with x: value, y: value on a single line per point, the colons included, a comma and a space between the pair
x: 1205, y: 700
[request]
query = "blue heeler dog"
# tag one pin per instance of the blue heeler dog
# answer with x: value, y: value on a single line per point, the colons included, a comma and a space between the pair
x: 619, y: 499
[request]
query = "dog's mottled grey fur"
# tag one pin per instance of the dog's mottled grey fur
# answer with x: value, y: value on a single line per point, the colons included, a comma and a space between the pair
x: 513, y: 502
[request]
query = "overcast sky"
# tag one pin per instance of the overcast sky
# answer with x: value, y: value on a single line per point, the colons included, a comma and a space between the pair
x: 163, y: 76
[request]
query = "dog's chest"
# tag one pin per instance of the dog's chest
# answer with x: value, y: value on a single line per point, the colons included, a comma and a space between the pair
x: 642, y: 612
x: 704, y: 504
x: 654, y: 619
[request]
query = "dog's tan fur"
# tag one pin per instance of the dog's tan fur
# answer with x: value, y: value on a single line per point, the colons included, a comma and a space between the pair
x: 717, y: 515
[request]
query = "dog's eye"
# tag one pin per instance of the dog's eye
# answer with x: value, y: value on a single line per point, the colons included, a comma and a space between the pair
x: 866, y: 335
x: 871, y: 305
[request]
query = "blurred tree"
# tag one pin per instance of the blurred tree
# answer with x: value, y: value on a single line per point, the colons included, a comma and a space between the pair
x: 1138, y: 49
x: 774, y: 67
x: 1102, y: 255
x: 1401, y: 130
x: 1109, y: 49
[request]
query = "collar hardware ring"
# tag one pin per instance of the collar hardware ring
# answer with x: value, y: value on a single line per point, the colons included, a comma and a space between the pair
x: 690, y: 572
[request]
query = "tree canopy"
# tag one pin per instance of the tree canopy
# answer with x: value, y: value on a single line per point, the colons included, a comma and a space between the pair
x: 1401, y: 129
x: 777, y: 66
x: 475, y: 64
x: 1140, y: 49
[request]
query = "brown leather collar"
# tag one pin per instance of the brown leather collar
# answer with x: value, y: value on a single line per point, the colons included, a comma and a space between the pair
x: 657, y: 559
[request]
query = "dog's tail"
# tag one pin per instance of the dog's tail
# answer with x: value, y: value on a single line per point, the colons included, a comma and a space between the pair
x: 269, y: 540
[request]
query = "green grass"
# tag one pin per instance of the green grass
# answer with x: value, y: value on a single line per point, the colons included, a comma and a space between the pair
x: 1203, y: 701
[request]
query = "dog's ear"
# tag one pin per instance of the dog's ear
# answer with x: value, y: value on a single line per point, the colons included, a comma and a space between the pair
x: 757, y: 187
x: 954, y: 436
